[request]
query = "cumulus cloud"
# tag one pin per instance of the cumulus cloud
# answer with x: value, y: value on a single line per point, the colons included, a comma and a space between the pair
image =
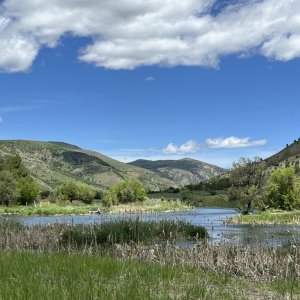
x: 190, y: 146
x: 234, y: 142
x: 130, y: 33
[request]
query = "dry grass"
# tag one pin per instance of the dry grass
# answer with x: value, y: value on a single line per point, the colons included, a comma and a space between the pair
x: 260, y: 264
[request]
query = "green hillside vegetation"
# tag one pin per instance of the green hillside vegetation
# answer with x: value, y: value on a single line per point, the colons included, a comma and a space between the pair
x: 209, y: 193
x: 289, y: 155
x: 54, y: 163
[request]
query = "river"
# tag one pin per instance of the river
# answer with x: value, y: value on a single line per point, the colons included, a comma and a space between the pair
x: 215, y: 220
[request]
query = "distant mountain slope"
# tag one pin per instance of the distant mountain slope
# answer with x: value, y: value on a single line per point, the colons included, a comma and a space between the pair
x: 53, y: 163
x: 291, y: 152
x: 184, y: 171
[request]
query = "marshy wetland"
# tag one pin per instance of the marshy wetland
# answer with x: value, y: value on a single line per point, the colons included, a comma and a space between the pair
x: 194, y: 254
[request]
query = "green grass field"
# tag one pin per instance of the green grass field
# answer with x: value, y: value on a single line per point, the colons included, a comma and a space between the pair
x: 77, y: 276
x: 270, y: 217
x: 200, y: 198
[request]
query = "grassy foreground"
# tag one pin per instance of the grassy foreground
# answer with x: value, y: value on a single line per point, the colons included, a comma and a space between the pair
x: 270, y: 217
x: 77, y: 208
x: 76, y: 276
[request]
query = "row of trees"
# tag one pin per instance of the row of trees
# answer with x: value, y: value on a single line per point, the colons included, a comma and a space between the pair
x: 17, y: 187
x: 124, y: 192
x: 16, y: 184
x: 220, y: 182
x: 251, y: 182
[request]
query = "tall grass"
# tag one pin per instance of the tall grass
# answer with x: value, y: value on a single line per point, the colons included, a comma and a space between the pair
x: 155, y: 242
x: 58, y: 237
x: 77, y: 276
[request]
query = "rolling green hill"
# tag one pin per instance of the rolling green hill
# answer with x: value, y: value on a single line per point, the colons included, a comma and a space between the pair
x: 183, y: 171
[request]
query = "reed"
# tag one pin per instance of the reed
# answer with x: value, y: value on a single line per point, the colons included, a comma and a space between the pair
x: 58, y: 237
x: 156, y: 242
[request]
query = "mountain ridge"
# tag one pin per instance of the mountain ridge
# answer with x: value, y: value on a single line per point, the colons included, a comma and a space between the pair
x: 186, y: 170
x: 54, y: 163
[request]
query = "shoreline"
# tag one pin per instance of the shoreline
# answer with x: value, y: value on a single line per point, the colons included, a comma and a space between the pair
x: 269, y: 218
x: 88, y: 210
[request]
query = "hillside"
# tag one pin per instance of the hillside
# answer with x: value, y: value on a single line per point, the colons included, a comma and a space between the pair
x: 184, y: 171
x: 291, y: 153
x: 53, y: 163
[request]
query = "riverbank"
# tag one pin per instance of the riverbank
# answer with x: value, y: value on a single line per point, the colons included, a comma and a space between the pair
x: 77, y: 208
x: 269, y: 217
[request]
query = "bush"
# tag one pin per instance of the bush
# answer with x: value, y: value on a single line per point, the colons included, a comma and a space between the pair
x: 125, y: 192
x: 86, y: 194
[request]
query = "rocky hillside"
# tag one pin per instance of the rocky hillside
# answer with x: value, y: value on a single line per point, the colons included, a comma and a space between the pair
x: 53, y: 163
x: 183, y: 172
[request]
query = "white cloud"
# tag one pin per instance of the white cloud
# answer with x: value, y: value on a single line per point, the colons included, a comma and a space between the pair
x: 130, y: 33
x: 189, y: 147
x: 170, y: 149
x: 150, y: 78
x: 234, y: 142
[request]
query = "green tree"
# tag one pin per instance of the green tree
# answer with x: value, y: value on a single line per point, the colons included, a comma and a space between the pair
x: 28, y: 190
x: 85, y: 194
x: 8, y: 188
x: 68, y: 192
x: 15, y: 165
x: 248, y: 179
x: 282, y: 191
x: 127, y: 191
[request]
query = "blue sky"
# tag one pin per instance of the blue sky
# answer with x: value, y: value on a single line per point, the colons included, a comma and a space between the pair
x: 150, y: 102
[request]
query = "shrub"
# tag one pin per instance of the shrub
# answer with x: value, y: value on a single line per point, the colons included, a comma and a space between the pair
x: 125, y: 192
x: 86, y: 194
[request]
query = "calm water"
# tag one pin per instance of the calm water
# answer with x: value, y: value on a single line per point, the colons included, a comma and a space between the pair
x: 213, y: 219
